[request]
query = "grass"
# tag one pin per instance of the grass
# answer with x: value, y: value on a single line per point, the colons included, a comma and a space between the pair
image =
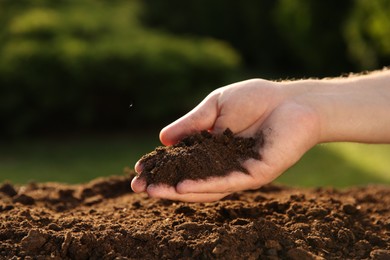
x: 80, y: 159
x: 341, y: 165
x: 71, y: 160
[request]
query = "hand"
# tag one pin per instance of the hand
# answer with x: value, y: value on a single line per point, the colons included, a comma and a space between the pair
x: 290, y: 125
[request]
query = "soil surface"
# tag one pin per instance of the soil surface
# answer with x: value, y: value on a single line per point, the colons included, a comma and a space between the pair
x: 103, y: 219
x: 199, y: 156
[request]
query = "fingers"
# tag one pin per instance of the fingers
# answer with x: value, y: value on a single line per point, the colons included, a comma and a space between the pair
x: 161, y: 191
x: 170, y: 193
x: 138, y: 167
x: 259, y: 174
x: 207, y: 190
x: 233, y: 182
x: 138, y: 184
x: 202, y: 117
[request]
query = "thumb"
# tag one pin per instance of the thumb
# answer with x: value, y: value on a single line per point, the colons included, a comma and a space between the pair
x: 202, y: 117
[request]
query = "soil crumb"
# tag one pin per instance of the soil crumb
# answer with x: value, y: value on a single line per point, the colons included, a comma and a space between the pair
x: 103, y: 219
x: 199, y: 156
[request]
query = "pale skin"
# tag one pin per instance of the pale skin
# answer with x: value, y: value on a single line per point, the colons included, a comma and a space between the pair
x: 293, y: 115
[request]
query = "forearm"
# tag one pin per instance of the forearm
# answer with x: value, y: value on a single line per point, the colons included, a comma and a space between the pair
x: 354, y: 109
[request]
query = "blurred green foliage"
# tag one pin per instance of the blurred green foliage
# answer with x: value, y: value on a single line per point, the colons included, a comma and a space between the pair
x: 75, y: 160
x: 368, y: 33
x: 287, y: 38
x: 80, y: 64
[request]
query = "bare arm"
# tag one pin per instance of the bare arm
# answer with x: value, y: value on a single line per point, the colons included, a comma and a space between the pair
x: 355, y: 108
x: 295, y: 115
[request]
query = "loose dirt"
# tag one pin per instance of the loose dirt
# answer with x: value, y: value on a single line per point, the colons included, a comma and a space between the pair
x: 199, y: 156
x: 103, y: 219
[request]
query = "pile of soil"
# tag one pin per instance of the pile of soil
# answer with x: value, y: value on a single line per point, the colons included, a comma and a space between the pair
x: 103, y: 219
x: 200, y: 156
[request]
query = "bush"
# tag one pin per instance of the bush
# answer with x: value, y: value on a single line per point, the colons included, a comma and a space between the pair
x: 80, y: 64
x: 284, y: 37
x: 368, y: 34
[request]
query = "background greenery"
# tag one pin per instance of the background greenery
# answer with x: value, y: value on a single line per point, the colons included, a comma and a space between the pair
x: 85, y: 85
x: 79, y: 159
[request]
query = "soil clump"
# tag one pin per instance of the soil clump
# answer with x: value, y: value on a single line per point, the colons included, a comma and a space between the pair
x: 103, y: 219
x: 199, y: 156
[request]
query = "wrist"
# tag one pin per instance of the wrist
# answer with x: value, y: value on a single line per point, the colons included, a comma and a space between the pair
x: 348, y: 109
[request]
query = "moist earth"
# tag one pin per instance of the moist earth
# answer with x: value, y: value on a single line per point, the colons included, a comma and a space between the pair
x: 103, y: 219
x: 200, y: 156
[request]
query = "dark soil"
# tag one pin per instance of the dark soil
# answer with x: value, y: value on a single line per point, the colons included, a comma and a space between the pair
x: 103, y: 219
x: 199, y: 156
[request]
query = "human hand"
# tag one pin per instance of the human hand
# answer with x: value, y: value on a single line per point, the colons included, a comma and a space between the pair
x: 290, y: 125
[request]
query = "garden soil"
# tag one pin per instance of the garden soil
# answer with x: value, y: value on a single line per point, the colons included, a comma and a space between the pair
x: 103, y: 219
x: 200, y: 156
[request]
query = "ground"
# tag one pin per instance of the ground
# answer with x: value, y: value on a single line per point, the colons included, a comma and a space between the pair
x: 103, y: 219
